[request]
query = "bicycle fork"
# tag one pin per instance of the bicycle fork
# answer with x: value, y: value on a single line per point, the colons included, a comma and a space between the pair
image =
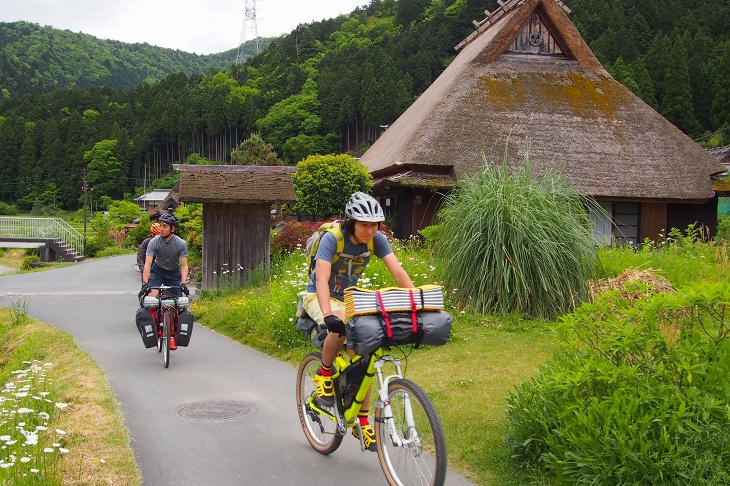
x: 387, y: 414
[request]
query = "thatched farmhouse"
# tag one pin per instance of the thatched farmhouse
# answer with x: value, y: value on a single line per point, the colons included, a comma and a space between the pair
x: 527, y: 76
x: 237, y: 203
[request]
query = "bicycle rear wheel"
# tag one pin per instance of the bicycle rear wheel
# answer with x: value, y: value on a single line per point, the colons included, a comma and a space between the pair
x: 319, y: 428
x: 421, y: 458
x: 166, y: 329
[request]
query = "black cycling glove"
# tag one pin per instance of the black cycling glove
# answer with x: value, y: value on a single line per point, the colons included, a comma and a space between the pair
x: 142, y: 293
x: 335, y: 324
x: 185, y: 290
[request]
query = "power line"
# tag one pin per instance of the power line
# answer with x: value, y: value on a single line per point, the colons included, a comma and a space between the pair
x: 710, y: 135
x: 249, y: 22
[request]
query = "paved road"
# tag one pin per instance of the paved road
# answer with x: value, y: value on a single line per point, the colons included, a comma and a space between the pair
x: 221, y: 414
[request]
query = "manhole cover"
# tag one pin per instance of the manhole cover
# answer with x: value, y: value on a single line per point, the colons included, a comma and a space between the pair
x: 227, y: 410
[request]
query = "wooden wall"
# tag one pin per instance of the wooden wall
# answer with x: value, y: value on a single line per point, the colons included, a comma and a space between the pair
x: 653, y: 220
x: 235, y: 241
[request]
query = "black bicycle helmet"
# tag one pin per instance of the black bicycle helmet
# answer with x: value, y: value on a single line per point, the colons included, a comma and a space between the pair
x: 170, y: 218
x: 362, y: 207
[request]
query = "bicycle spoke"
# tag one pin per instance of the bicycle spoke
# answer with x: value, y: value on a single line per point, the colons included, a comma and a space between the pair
x: 318, y: 424
x: 414, y: 451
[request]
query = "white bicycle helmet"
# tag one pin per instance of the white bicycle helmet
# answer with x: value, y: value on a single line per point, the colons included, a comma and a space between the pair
x: 362, y: 207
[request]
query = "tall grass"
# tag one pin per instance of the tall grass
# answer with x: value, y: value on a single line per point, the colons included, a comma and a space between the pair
x: 681, y: 258
x: 516, y: 243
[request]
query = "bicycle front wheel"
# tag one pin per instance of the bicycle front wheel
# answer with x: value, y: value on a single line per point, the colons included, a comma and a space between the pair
x: 413, y: 452
x: 166, y: 329
x: 159, y: 329
x: 319, y: 428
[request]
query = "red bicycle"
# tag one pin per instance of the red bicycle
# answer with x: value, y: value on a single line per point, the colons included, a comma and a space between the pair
x: 167, y: 309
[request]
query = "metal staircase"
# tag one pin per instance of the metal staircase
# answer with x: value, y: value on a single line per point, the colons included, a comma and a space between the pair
x: 54, y: 236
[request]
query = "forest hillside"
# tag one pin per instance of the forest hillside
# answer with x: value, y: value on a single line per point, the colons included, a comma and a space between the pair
x: 326, y: 87
x: 39, y: 59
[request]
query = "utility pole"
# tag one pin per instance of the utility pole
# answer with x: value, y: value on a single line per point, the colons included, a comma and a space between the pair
x: 86, y: 189
x: 249, y: 22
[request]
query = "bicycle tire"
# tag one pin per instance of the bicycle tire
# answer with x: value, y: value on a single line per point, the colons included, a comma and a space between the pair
x: 320, y: 430
x: 158, y: 324
x: 166, y: 328
x: 422, y: 461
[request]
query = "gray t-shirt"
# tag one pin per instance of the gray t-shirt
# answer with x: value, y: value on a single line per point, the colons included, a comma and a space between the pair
x: 352, y: 261
x: 167, y: 253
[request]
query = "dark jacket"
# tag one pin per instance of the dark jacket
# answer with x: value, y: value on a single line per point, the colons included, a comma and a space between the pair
x: 142, y: 251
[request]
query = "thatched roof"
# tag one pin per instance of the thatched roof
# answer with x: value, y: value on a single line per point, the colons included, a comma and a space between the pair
x: 236, y: 184
x: 416, y: 176
x: 721, y: 153
x: 565, y: 109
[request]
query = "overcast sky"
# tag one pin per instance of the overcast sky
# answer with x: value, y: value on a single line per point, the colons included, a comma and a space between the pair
x: 199, y: 26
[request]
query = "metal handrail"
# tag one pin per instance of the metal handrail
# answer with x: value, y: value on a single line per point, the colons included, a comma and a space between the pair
x: 55, y: 228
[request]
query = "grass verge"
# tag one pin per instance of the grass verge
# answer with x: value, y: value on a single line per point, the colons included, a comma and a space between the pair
x: 94, y: 440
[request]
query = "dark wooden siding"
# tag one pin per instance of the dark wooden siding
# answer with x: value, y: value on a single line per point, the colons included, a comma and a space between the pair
x: 653, y: 220
x: 235, y: 242
x: 680, y: 216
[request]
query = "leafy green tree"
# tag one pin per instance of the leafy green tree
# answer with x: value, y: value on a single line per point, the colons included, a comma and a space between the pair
x: 643, y: 80
x: 123, y: 212
x: 324, y: 183
x: 299, y: 147
x: 196, y: 159
x: 721, y: 99
x: 30, y: 172
x: 407, y: 11
x: 50, y: 196
x: 657, y: 62
x: 295, y: 115
x: 255, y: 151
x: 105, y: 173
x: 677, y: 102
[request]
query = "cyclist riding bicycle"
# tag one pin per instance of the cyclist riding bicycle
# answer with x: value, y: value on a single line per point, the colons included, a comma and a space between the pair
x: 166, y: 258
x: 324, y: 297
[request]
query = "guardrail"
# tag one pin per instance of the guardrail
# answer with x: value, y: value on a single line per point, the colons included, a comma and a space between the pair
x: 55, y: 228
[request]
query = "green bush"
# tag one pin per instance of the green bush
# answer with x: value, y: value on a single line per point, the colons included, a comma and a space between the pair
x: 111, y: 251
x: 324, y: 183
x: 30, y: 261
x: 8, y: 209
x: 637, y: 395
x: 516, y: 243
x: 96, y: 245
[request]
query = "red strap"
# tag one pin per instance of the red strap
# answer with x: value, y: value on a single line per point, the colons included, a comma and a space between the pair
x: 388, y: 329
x: 414, y: 320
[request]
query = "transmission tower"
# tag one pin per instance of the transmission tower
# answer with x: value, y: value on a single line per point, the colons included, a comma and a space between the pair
x: 249, y: 26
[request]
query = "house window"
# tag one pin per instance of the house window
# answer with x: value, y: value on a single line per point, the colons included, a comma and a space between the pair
x: 389, y: 205
x: 534, y: 38
x: 626, y: 223
x: 619, y: 225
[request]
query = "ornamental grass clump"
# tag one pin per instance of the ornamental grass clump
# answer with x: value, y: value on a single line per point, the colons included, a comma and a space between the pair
x: 30, y: 444
x: 513, y: 242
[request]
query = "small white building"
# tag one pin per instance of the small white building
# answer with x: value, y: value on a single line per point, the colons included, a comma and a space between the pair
x: 152, y: 200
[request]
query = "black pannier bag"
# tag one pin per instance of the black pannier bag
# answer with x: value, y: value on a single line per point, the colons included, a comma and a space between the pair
x: 185, y: 328
x: 367, y: 333
x: 314, y: 332
x: 146, y: 327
